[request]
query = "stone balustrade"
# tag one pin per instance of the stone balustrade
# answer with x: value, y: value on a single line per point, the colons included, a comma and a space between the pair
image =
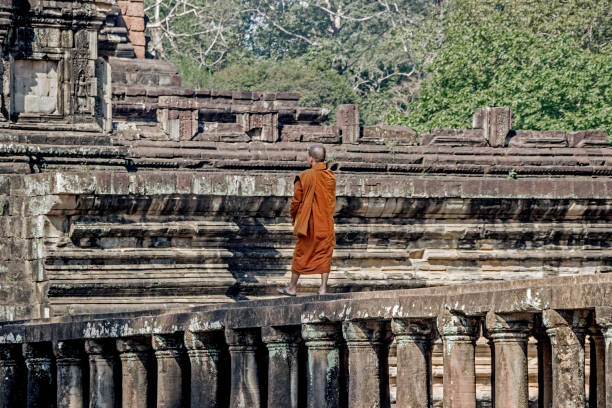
x: 320, y: 351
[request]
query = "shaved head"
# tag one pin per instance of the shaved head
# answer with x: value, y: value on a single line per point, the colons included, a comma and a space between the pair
x: 317, y: 152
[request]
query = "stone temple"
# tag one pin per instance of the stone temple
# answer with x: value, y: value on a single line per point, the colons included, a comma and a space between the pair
x: 144, y: 228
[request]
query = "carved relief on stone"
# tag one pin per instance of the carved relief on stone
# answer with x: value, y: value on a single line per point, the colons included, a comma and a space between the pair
x: 495, y: 122
x: 5, y: 83
x: 81, y: 73
x: 49, y: 62
x: 347, y: 120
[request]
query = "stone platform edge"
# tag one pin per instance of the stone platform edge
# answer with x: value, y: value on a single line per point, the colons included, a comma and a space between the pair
x: 182, y: 183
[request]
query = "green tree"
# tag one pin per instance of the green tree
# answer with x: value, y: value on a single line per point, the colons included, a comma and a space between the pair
x: 551, y: 80
x: 379, y: 47
x: 587, y: 23
x: 317, y: 85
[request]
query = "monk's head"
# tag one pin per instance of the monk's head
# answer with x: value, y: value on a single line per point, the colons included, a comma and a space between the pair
x: 316, y: 154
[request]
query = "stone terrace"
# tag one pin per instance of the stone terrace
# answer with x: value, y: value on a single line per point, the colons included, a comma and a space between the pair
x: 121, y: 190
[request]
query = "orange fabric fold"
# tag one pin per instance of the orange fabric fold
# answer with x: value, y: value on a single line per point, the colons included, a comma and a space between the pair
x: 312, y: 213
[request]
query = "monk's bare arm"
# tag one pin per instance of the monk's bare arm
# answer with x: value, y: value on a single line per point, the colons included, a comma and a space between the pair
x: 332, y: 203
x: 298, y: 195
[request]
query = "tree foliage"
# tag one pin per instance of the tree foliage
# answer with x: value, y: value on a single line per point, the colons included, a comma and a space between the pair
x: 373, y: 42
x: 201, y: 31
x: 378, y: 47
x: 506, y: 54
x: 317, y: 85
x: 421, y: 63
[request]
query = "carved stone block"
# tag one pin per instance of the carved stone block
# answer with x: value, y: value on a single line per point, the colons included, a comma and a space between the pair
x: 495, y: 122
x: 347, y: 120
x: 35, y: 86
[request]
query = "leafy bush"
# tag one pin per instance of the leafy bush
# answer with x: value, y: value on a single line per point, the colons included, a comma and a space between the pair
x: 317, y: 86
x: 550, y: 81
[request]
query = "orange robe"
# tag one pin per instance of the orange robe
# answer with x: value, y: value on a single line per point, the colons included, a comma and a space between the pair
x: 312, y: 213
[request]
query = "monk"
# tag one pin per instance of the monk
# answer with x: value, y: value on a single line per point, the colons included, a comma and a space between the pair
x: 312, y: 216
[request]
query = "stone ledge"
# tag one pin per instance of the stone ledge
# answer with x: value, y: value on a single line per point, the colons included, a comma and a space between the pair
x: 577, y: 293
x: 169, y: 183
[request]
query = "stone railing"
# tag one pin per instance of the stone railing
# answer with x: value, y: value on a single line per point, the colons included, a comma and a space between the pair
x: 320, y: 352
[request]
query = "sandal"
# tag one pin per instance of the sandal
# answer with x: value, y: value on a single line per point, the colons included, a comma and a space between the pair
x: 283, y: 291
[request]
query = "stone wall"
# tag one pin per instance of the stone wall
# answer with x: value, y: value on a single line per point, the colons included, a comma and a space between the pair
x: 100, y: 241
x: 184, y: 200
x: 133, y: 16
x: 51, y: 70
x: 138, y: 192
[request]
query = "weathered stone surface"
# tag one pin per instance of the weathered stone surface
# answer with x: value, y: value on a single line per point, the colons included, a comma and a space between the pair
x: 135, y: 355
x: 597, y: 369
x: 347, y: 120
x: 390, y: 135
x: 534, y: 139
x: 82, y: 253
x: 413, y: 339
x: 245, y: 391
x: 207, y: 379
x: 454, y: 138
x: 603, y: 319
x: 545, y: 376
x: 40, y: 378
x: 69, y: 377
x: 368, y: 366
x: 283, y: 365
x: 411, y: 313
x: 588, y: 138
x: 171, y: 371
x: 10, y: 376
x: 53, y: 64
x: 495, y: 123
x: 323, y: 375
x: 102, y: 362
x: 459, y: 334
x: 310, y: 134
x: 567, y: 331
x: 188, y: 190
x: 509, y: 336
x: 36, y: 86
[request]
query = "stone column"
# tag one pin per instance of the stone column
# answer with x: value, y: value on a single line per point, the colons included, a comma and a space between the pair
x: 69, y: 362
x: 492, y: 360
x: 597, y: 378
x: 9, y: 375
x: 135, y: 356
x: 169, y: 352
x: 607, y: 331
x: 40, y: 378
x: 204, y: 354
x: 413, y: 340
x: 544, y: 369
x: 567, y: 331
x: 603, y: 318
x: 282, y: 344
x: 323, y: 373
x: 368, y: 364
x: 459, y: 334
x: 101, y: 373
x: 509, y: 334
x: 244, y: 392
